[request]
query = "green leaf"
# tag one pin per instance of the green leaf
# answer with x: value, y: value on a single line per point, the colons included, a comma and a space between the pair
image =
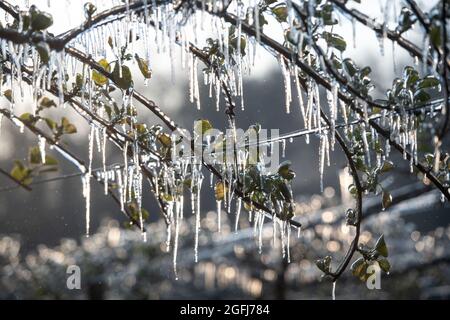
x: 39, y: 20
x: 34, y: 155
x: 47, y: 103
x: 99, y: 78
x: 435, y: 35
x: 201, y: 126
x: 21, y: 173
x: 386, y: 199
x: 280, y: 12
x: 219, y: 191
x: 124, y: 82
x: 365, y: 71
x: 350, y: 67
x: 50, y: 123
x: 68, y: 128
x: 50, y: 161
x: 381, y: 247
x: 359, y: 267
x: 406, y: 20
x: 324, y: 264
x: 27, y: 117
x: 8, y: 94
x: 143, y: 66
x: 327, y: 15
x: 384, y: 264
x: 421, y: 96
x: 165, y: 140
x: 428, y: 82
x: 285, y: 171
x: 387, y: 166
x: 334, y: 40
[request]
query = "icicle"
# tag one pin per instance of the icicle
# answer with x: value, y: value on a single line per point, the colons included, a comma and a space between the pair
x: 354, y: 32
x: 196, y: 87
x: 394, y: 64
x: 238, y: 213
x: 322, y: 146
x: 199, y: 180
x: 178, y: 209
x: 219, y: 211
x: 288, y: 243
x: 299, y: 95
x: 287, y: 83
x: 42, y: 148
x: 365, y: 143
x: 261, y: 217
x: 104, y: 160
x: 333, y: 292
x: 87, y: 181
x: 333, y: 101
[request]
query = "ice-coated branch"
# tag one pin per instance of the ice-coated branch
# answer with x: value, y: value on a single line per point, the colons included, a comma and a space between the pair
x: 78, y: 162
x: 381, y: 31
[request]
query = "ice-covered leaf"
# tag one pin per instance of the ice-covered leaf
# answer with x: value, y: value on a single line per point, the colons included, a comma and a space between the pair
x: 99, y: 78
x: 334, y: 40
x: 68, y: 128
x: 280, y: 12
x: 39, y: 20
x: 381, y: 247
x: 386, y: 199
x: 219, y: 191
x: 124, y: 80
x: 143, y: 66
x: 384, y: 264
x: 21, y: 173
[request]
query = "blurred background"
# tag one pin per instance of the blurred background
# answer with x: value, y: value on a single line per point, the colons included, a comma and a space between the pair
x: 42, y: 231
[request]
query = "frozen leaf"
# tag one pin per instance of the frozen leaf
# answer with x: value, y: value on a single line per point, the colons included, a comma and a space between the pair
x: 285, y: 171
x: 143, y: 66
x: 381, y: 247
x: 165, y: 140
x: 387, y: 166
x: 387, y: 199
x: 359, y: 267
x: 324, y: 264
x: 68, y: 127
x: 8, y: 94
x: 334, y: 40
x: 201, y: 126
x: 39, y: 20
x: 21, y: 173
x: 219, y: 191
x: 384, y: 264
x: 280, y: 13
x: 50, y: 123
x: 97, y: 77
x: 123, y: 81
x: 34, y: 155
x: 47, y: 103
x: 428, y: 83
